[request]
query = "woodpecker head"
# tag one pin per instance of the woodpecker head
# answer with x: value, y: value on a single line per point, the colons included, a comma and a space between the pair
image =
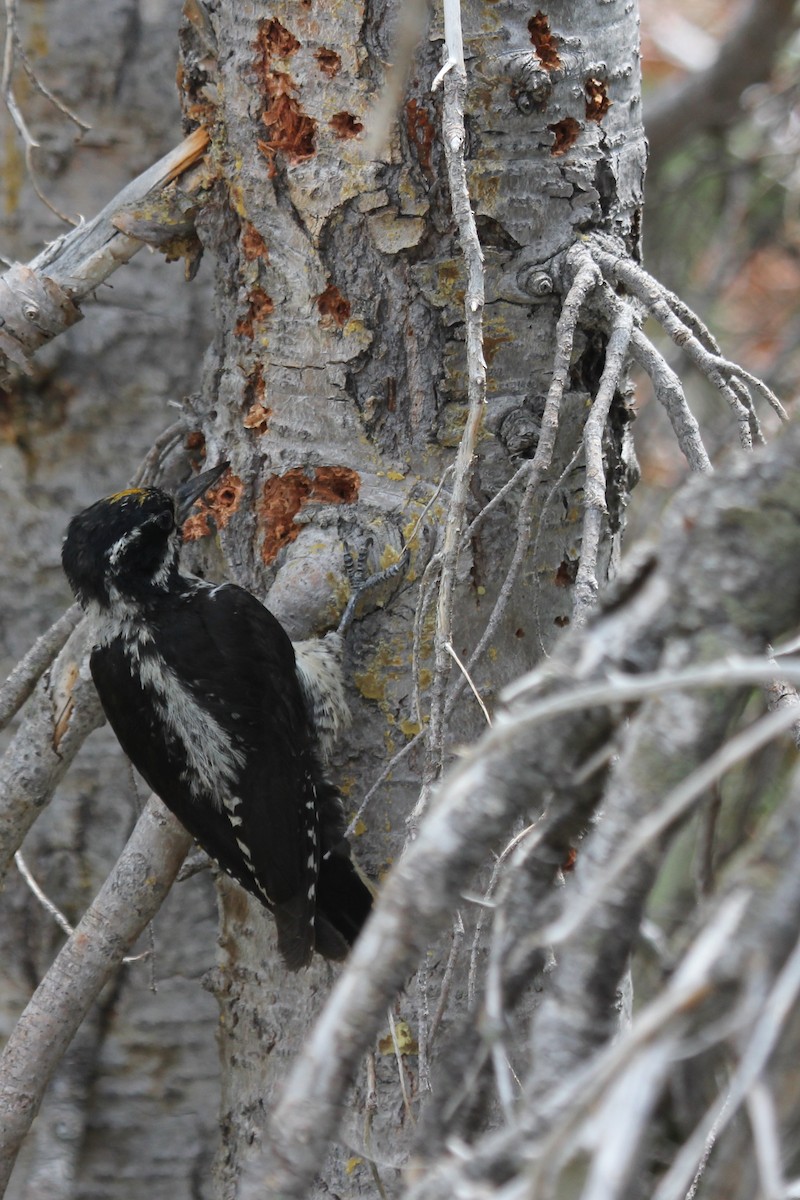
x: 127, y: 545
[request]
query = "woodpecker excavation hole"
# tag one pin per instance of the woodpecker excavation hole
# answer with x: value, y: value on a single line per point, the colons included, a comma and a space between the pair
x: 333, y: 306
x: 566, y: 135
x: 567, y: 573
x: 420, y: 131
x: 597, y: 101
x: 253, y: 244
x: 345, y: 125
x: 544, y: 42
x: 285, y: 495
x: 273, y: 41
x: 258, y: 413
x: 292, y: 132
x: 329, y: 61
x: 257, y: 418
x: 259, y: 308
x: 219, y: 503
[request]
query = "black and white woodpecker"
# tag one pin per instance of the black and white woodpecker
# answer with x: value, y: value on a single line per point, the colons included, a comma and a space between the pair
x: 209, y: 701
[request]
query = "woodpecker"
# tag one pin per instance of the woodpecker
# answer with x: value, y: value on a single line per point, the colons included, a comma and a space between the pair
x: 201, y: 685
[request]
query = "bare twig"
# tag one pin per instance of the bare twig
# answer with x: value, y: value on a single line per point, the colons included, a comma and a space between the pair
x: 129, y: 898
x: 454, y: 136
x: 451, y: 651
x: 585, y: 278
x: 586, y: 584
x: 719, y: 371
x: 398, y: 1055
x: 674, y: 804
x: 670, y: 394
x: 761, y: 1043
x: 45, y: 901
x: 26, y: 674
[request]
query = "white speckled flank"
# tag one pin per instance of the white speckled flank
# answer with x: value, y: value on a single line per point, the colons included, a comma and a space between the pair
x: 319, y: 669
x: 213, y: 761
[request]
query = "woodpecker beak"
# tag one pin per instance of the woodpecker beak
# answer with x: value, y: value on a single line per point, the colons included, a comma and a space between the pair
x: 194, y: 488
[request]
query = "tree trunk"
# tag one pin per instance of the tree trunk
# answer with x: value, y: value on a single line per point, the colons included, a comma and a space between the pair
x: 337, y: 386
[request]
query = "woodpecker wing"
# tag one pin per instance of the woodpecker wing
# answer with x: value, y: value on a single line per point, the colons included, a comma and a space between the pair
x: 209, y: 710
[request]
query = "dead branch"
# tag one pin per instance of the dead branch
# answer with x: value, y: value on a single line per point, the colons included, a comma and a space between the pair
x: 63, y: 710
x: 26, y: 674
x: 129, y: 898
x: 42, y: 299
x: 586, y: 583
x: 513, y: 765
x: 455, y: 138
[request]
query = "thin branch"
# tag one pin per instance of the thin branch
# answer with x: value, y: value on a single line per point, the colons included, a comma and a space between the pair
x: 763, y: 1118
x: 761, y: 1043
x: 129, y: 898
x: 451, y: 651
x: 55, y: 912
x: 719, y: 371
x: 518, y: 477
x: 398, y: 1056
x: 45, y: 901
x: 455, y: 137
x: 545, y: 508
x: 483, y: 792
x: 37, y: 83
x: 673, y: 806
x: 585, y: 278
x: 670, y: 394
x: 26, y: 674
x: 586, y: 583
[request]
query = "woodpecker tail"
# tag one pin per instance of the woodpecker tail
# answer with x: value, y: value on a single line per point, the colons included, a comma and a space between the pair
x: 344, y: 901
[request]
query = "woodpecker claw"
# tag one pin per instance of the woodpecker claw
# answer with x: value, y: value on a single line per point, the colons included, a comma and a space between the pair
x: 361, y: 583
x: 356, y: 569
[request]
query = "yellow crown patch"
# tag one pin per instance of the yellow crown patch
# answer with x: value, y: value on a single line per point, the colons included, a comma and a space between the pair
x: 139, y: 493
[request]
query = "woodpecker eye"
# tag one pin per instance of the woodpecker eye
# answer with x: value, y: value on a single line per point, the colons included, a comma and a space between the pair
x: 165, y: 520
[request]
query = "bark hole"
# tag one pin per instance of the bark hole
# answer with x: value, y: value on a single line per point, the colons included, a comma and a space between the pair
x: 329, y: 61
x: 566, y: 134
x: 260, y: 305
x: 285, y: 495
x: 420, y: 132
x: 273, y: 41
x: 253, y: 244
x: 543, y: 41
x: 345, y: 125
x: 218, y: 504
x: 333, y: 306
x: 292, y: 132
x: 597, y: 101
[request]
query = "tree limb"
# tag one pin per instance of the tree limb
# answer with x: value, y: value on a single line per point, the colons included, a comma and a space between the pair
x: 525, y: 756
x: 127, y: 901
x: 40, y: 300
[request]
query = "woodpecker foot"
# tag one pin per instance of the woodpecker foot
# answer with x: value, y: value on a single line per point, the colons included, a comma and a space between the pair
x: 196, y: 861
x: 361, y: 583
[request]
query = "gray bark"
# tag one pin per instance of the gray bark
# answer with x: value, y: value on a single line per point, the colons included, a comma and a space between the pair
x: 337, y: 386
x: 344, y: 383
